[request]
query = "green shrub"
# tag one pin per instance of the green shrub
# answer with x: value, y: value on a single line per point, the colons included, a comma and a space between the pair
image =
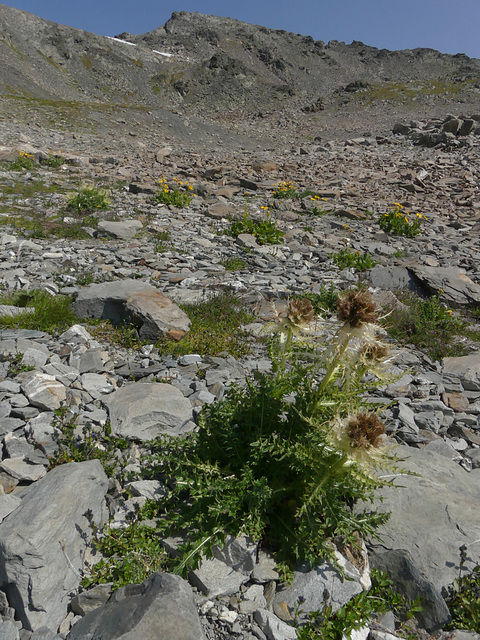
x: 265, y: 231
x: 285, y: 459
x: 399, y: 222
x: 88, y: 200
x: 324, y: 303
x: 428, y: 325
x: 348, y: 258
x: 129, y: 555
x: 234, y: 264
x: 179, y: 195
x: 24, y: 161
x: 464, y: 598
x: 53, y: 161
x: 360, y: 610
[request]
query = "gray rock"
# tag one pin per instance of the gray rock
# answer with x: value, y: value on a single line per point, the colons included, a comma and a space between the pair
x: 399, y: 565
x: 161, y: 607
x: 90, y: 600
x: 144, y: 305
x: 44, y: 633
x: 406, y: 416
x: 34, y: 358
x: 467, y: 368
x: 41, y: 433
x: 42, y: 542
x: 433, y: 513
x: 322, y: 583
x: 78, y: 335
x: 273, y: 627
x: 456, y: 286
x: 43, y: 390
x: 9, y: 630
x: 8, y: 503
x: 391, y: 278
x: 125, y: 229
x: 150, y: 489
x: 143, y: 411
x: 459, y: 634
x: 22, y: 471
x: 96, y: 384
x: 229, y: 568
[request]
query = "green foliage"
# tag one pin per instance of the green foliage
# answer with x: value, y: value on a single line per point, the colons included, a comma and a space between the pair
x: 348, y: 258
x: 130, y: 554
x: 88, y: 200
x: 428, y: 325
x: 124, y: 335
x: 464, y: 598
x: 179, y: 196
x: 361, y: 609
x: 94, y: 442
x: 325, y: 302
x: 52, y: 314
x: 15, y: 365
x: 286, y: 189
x: 266, y: 230
x: 163, y: 241
x: 216, y: 327
x: 53, y: 161
x: 270, y: 461
x: 24, y: 161
x: 234, y: 264
x: 397, y: 222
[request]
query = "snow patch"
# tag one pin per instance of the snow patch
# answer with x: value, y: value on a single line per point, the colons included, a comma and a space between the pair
x: 132, y: 44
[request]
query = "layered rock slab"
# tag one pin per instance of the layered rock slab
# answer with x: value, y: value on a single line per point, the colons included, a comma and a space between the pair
x: 160, y: 607
x: 43, y: 540
x: 136, y: 301
x: 144, y: 411
x: 433, y: 513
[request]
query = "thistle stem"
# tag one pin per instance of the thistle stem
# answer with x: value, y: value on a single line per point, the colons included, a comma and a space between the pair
x: 341, y: 348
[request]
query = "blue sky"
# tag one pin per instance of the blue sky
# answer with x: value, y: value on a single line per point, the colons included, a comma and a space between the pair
x: 450, y: 27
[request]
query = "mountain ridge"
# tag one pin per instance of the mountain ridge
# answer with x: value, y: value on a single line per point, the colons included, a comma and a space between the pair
x: 225, y: 71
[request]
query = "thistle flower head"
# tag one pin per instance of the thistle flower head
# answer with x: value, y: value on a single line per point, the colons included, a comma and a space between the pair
x: 356, y: 308
x: 365, y: 430
x: 361, y: 438
x: 300, y: 313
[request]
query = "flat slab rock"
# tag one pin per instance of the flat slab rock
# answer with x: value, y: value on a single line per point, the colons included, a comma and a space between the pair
x: 144, y: 411
x: 433, y: 513
x: 162, y: 606
x: 42, y: 541
x: 136, y: 301
x: 456, y: 287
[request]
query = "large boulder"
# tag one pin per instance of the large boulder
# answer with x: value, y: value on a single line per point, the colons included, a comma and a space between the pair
x: 434, y: 512
x: 43, y: 540
x: 160, y: 608
x: 134, y: 301
x: 452, y: 282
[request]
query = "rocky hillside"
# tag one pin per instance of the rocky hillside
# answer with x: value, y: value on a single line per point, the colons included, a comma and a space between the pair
x: 228, y: 72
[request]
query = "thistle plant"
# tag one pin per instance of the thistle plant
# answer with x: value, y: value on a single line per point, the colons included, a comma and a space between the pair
x: 285, y: 459
x: 398, y: 221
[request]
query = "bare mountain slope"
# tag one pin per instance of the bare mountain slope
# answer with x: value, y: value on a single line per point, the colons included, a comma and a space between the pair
x: 222, y: 73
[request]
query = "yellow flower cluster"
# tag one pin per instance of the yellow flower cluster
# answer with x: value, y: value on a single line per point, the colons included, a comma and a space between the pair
x: 397, y: 221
